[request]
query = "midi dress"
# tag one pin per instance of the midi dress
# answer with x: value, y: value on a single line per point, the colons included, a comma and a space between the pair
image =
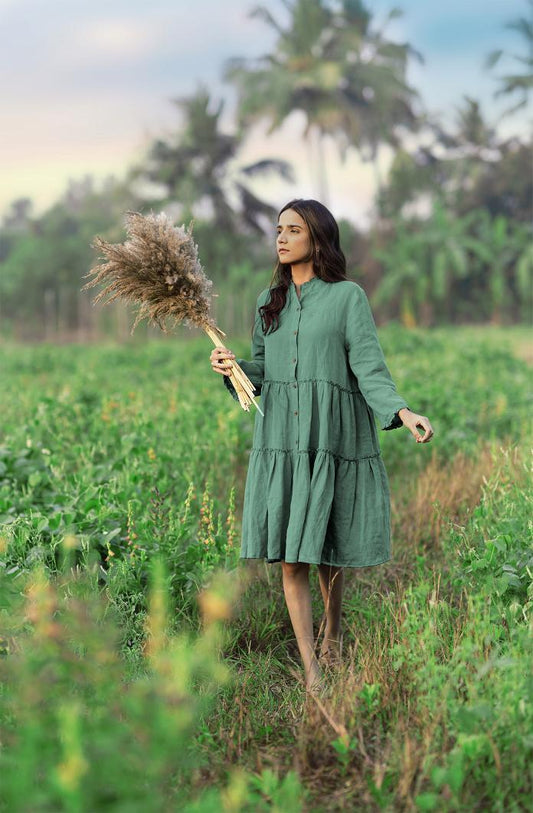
x: 316, y: 488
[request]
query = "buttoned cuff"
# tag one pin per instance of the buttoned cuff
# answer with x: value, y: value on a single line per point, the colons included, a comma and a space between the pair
x: 393, y: 421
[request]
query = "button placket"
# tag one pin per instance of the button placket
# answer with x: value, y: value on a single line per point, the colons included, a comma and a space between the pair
x: 296, y: 400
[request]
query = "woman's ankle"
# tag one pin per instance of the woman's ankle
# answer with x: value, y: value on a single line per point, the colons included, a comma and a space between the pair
x: 331, y: 647
x: 314, y: 680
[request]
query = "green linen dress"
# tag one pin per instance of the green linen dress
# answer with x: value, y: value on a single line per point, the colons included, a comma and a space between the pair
x: 316, y: 489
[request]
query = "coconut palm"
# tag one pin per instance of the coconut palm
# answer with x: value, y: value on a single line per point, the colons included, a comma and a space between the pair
x: 329, y: 63
x: 517, y: 84
x: 472, y: 130
x: 450, y: 167
x: 18, y: 219
x: 198, y: 167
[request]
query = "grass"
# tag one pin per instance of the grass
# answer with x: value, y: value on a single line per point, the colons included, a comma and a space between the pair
x: 432, y: 707
x: 122, y: 467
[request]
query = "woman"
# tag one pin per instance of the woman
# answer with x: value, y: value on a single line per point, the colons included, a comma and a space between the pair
x: 316, y: 490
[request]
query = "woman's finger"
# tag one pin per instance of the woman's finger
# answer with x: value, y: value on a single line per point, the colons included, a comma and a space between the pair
x: 220, y: 359
x: 221, y: 353
x: 222, y: 369
x: 428, y: 430
x: 216, y: 352
x: 415, y: 422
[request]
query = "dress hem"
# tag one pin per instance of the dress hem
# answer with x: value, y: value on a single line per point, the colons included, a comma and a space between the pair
x: 301, y: 562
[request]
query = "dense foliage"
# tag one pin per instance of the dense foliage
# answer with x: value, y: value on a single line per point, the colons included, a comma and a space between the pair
x: 122, y: 467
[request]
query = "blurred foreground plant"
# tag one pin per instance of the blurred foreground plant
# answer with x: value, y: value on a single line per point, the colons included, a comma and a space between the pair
x: 76, y: 734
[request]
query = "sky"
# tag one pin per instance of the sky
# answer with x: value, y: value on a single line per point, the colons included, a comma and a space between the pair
x: 89, y: 83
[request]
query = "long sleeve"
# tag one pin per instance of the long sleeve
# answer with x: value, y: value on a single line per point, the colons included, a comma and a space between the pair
x: 368, y: 363
x: 255, y: 368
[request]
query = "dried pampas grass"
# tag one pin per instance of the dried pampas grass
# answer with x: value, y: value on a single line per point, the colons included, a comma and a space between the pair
x: 158, y: 269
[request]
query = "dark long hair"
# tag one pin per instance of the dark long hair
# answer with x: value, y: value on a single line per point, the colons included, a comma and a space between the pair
x: 329, y: 262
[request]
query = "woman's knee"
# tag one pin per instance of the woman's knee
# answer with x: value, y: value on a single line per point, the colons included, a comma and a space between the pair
x: 293, y: 570
x: 331, y: 573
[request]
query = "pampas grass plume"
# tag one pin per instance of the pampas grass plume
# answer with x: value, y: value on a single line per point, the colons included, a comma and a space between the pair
x: 156, y: 267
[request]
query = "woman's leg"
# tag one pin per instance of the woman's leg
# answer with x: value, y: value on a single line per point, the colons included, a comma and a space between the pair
x: 298, y: 600
x: 331, y: 581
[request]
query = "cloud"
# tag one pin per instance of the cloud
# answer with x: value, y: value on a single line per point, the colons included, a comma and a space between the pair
x: 111, y: 41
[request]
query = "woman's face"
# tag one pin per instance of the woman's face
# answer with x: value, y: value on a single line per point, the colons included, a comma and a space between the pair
x: 293, y: 242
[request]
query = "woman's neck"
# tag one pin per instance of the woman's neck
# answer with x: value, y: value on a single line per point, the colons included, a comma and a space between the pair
x: 302, y: 272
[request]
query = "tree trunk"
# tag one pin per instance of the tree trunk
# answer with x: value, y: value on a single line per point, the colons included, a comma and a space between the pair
x: 318, y: 166
x: 50, y: 315
x: 378, y: 182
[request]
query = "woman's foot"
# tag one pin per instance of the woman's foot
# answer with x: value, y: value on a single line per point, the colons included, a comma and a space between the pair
x: 317, y: 688
x: 331, y: 652
x: 314, y: 680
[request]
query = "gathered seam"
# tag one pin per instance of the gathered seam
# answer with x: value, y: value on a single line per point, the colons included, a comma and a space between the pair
x: 261, y: 450
x: 311, y: 381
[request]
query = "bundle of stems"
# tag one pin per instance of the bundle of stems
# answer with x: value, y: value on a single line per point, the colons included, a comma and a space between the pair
x: 157, y: 268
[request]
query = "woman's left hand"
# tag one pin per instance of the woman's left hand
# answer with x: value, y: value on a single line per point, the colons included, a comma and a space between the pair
x: 411, y: 420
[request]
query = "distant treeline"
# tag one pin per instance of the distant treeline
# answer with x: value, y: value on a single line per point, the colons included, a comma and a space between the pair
x: 451, y: 236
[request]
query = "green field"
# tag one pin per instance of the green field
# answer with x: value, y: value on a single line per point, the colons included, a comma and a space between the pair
x: 128, y: 685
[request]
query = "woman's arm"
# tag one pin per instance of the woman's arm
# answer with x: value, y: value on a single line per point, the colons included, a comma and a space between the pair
x: 368, y: 363
x: 221, y: 358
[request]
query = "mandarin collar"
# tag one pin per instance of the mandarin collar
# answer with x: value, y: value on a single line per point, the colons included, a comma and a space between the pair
x: 307, y: 282
x: 309, y: 285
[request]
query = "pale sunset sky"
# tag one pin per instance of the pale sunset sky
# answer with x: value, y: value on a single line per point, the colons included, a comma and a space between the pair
x: 88, y: 83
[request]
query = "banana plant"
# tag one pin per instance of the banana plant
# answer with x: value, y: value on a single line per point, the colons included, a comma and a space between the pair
x: 509, y: 264
x: 448, y: 268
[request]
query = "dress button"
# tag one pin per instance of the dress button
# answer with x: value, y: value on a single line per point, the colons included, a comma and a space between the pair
x: 294, y: 361
x: 295, y: 332
x: 295, y: 413
x: 295, y: 385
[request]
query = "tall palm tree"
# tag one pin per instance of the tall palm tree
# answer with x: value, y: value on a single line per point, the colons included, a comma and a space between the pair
x: 449, y: 168
x: 521, y: 83
x: 472, y: 130
x: 347, y: 78
x: 198, y: 168
x: 19, y: 216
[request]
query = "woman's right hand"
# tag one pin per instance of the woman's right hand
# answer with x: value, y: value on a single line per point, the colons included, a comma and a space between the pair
x: 221, y: 360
